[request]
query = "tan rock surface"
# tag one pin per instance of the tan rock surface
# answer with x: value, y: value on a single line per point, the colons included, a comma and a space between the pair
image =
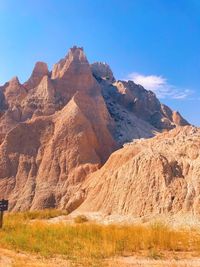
x: 40, y: 70
x: 14, y: 92
x: 148, y: 177
x: 60, y: 126
x: 43, y: 159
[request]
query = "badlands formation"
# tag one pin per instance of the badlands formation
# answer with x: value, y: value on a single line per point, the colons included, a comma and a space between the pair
x: 75, y: 138
x: 160, y: 175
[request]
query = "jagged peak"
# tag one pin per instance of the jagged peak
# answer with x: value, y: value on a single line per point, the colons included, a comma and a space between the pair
x: 74, y: 48
x: 14, y: 81
x: 75, y: 56
x: 178, y: 119
x: 103, y: 71
x: 77, y: 53
x: 40, y: 68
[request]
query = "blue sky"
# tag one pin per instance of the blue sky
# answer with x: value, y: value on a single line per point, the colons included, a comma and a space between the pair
x: 154, y: 42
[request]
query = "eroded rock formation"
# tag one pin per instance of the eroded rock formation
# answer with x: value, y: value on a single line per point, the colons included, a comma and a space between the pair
x: 61, y: 126
x: 148, y: 177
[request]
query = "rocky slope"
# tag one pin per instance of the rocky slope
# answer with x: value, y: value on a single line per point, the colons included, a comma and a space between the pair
x: 137, y: 112
x: 62, y: 125
x: 148, y: 177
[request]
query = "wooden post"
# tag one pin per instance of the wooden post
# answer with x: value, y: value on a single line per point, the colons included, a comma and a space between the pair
x: 1, y: 219
x: 3, y: 207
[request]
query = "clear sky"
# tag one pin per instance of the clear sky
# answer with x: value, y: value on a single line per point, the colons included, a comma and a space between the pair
x: 154, y: 42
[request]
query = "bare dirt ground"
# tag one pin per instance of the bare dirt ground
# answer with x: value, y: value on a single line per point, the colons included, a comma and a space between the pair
x: 145, y: 262
x: 10, y: 258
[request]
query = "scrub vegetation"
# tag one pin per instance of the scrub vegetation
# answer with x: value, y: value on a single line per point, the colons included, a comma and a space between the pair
x: 88, y: 244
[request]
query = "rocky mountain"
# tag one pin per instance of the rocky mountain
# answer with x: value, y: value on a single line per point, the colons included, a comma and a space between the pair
x: 62, y: 125
x: 137, y: 112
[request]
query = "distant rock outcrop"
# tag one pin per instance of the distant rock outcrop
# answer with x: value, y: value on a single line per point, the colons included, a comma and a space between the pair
x: 144, y: 104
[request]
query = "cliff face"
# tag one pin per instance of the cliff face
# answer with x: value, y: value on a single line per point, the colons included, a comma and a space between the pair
x: 64, y: 133
x: 153, y: 176
x: 60, y: 126
x: 42, y: 160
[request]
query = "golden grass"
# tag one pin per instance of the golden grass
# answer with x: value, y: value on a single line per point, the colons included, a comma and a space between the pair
x: 80, y: 219
x: 38, y: 214
x: 88, y: 244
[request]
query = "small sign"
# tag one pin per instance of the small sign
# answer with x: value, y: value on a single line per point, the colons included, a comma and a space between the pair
x: 3, y: 205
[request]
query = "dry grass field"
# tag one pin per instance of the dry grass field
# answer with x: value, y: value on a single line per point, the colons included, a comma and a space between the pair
x: 84, y: 243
